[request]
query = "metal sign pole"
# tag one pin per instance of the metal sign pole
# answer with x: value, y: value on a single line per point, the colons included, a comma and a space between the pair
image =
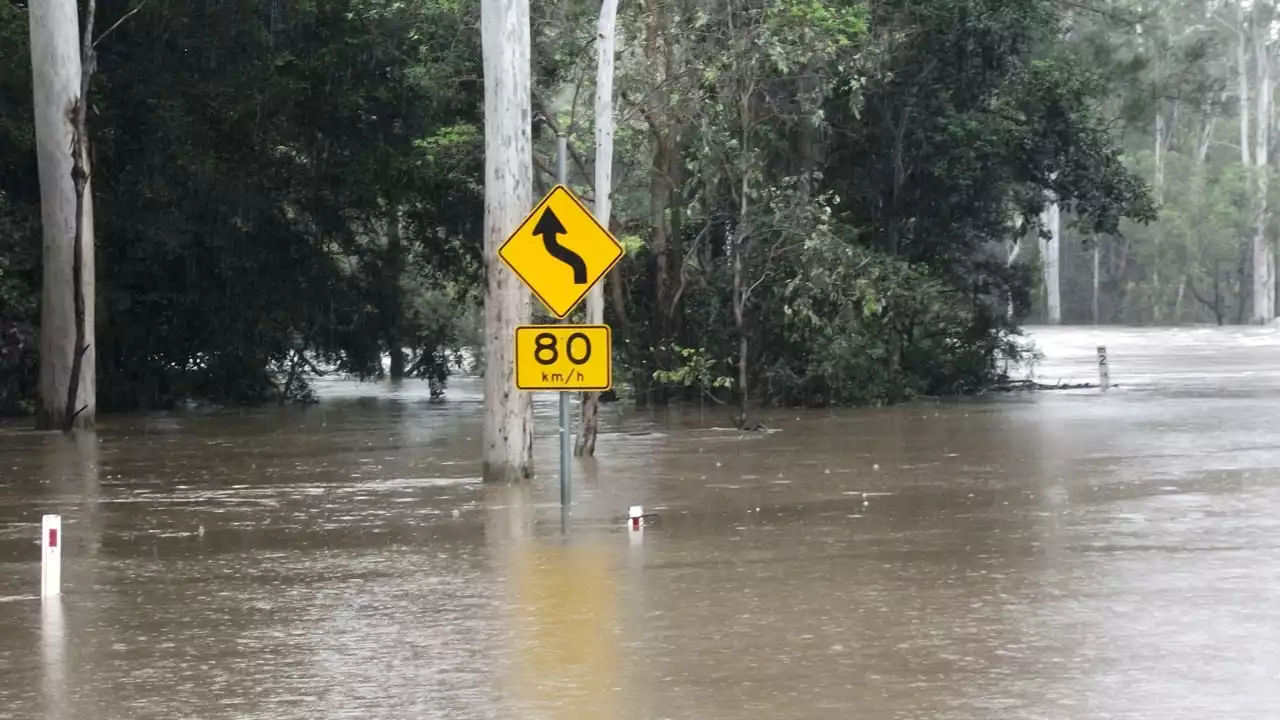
x: 562, y: 357
x: 562, y: 173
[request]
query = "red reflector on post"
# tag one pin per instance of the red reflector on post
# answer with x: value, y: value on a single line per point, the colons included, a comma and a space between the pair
x: 50, y: 556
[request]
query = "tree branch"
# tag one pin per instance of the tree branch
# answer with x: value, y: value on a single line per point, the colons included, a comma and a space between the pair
x: 542, y: 168
x: 1229, y: 26
x: 1013, y: 253
x: 76, y: 414
x: 648, y: 116
x: 1131, y: 22
x: 541, y: 106
x: 684, y: 278
x: 1196, y: 294
x: 640, y: 107
x: 120, y: 22
x: 770, y: 256
x: 573, y: 104
x: 306, y: 361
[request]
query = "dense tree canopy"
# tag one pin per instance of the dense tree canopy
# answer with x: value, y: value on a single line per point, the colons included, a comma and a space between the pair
x: 271, y: 179
x: 1189, y: 84
x: 817, y: 196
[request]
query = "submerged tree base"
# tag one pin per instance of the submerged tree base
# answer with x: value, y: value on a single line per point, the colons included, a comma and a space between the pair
x: 1028, y: 385
x: 495, y: 474
x: 57, y: 421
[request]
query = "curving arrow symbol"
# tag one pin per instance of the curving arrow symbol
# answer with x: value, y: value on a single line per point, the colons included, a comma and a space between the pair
x: 548, y: 227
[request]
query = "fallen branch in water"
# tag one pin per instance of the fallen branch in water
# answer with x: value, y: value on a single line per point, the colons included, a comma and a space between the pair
x: 1014, y: 385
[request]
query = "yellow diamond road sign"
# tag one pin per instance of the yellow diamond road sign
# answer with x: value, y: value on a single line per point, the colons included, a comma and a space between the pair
x: 560, y: 251
x: 564, y: 357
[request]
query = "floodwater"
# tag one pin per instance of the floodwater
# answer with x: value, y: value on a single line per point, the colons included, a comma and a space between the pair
x: 1070, y: 554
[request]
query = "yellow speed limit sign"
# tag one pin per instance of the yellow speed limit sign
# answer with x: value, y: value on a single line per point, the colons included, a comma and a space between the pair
x: 564, y: 357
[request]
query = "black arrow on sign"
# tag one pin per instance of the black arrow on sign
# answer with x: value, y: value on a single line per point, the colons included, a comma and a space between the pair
x: 548, y: 227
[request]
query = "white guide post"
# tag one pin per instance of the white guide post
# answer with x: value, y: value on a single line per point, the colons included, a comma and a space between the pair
x: 51, y: 556
x: 1104, y: 374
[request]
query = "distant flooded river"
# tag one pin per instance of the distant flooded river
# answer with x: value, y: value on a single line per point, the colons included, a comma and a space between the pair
x: 1066, y: 555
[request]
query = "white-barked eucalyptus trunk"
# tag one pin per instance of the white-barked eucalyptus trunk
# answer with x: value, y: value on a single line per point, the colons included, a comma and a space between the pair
x: 1050, y: 251
x: 606, y: 35
x: 1263, y: 279
x: 508, y: 187
x: 56, y: 82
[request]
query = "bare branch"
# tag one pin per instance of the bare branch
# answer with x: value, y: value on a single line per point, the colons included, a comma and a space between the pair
x: 306, y: 362
x: 120, y: 22
x: 640, y: 105
x: 772, y: 254
x: 76, y: 414
x: 1099, y: 11
x: 648, y: 116
x: 1013, y: 253
x: 541, y: 106
x: 543, y: 172
x: 1196, y: 294
x: 1238, y: 32
x: 684, y: 278
x: 573, y: 104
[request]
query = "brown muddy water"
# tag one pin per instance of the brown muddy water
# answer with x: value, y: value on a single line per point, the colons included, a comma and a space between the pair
x: 1060, y: 555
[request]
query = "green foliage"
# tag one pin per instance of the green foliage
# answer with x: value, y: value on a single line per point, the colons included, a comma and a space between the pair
x: 695, y: 368
x: 853, y: 173
x: 18, y: 312
x: 247, y: 159
x: 828, y: 184
x: 846, y: 324
x: 631, y: 244
x: 19, y: 218
x: 797, y: 33
x: 866, y: 327
x: 1070, y: 149
x: 1171, y: 69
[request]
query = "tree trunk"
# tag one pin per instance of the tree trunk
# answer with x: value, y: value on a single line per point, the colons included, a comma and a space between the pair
x: 616, y: 281
x: 1242, y: 83
x: 1159, y: 157
x: 739, y: 316
x: 894, y: 233
x: 1242, y: 283
x: 1263, y: 282
x: 673, y: 322
x: 1049, y: 252
x: 657, y: 56
x: 397, y: 356
x: 67, y: 291
x: 80, y: 178
x: 806, y: 152
x: 1217, y: 297
x: 742, y: 378
x: 605, y: 37
x: 1158, y: 183
x: 1202, y: 154
x: 1013, y: 249
x: 673, y: 171
x: 394, y: 296
x: 508, y: 412
x: 742, y: 235
x: 1095, y: 280
x: 1206, y: 136
x: 659, y: 198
